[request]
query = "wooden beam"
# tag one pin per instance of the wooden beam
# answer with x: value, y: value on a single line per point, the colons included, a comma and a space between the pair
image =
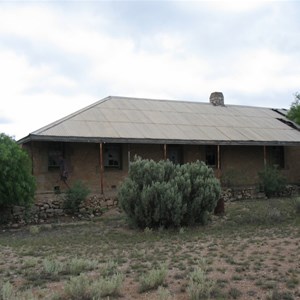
x: 265, y: 156
x: 128, y: 154
x: 218, y: 162
x: 101, y: 168
x: 165, y: 151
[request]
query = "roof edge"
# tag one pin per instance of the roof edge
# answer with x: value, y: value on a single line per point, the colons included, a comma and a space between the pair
x: 46, y: 138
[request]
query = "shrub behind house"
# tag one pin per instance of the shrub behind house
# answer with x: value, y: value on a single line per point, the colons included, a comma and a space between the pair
x: 163, y: 194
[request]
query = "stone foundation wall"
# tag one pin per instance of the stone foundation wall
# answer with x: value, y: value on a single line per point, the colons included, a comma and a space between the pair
x: 50, y: 206
x: 244, y: 193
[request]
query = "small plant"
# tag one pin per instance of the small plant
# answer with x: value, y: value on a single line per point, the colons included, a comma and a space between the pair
x: 78, y: 288
x: 163, y: 293
x: 234, y: 293
x: 272, y: 182
x: 297, y: 204
x: 78, y: 265
x: 200, y: 286
x: 34, y: 229
x: 52, y: 267
x: 105, y: 287
x: 153, y: 279
x: 75, y: 195
x: 7, y: 292
x: 109, y: 268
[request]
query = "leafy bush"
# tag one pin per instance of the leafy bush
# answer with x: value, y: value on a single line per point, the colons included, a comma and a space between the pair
x: 272, y: 182
x: 162, y: 194
x: 17, y: 184
x: 75, y: 195
x: 153, y: 279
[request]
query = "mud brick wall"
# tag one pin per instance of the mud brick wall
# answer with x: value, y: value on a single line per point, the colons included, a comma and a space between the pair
x: 241, y: 163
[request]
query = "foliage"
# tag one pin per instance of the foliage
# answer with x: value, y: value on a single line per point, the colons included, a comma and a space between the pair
x: 272, y: 182
x: 17, y: 184
x: 294, y: 112
x: 153, y: 279
x: 75, y: 195
x: 162, y: 194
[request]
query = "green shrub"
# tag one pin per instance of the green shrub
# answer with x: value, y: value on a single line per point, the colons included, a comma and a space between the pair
x: 153, y: 279
x: 162, y: 194
x: 272, y: 182
x: 75, y: 195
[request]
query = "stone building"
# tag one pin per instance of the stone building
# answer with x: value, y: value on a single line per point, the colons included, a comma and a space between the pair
x: 97, y: 144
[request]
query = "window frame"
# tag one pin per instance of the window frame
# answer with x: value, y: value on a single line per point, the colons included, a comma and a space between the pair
x: 276, y: 156
x: 118, y: 148
x: 55, y: 151
x: 211, y: 150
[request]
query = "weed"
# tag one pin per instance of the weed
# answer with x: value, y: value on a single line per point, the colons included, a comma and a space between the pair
x: 52, y: 267
x: 297, y: 205
x: 78, y: 287
x: 163, y: 293
x: 78, y: 265
x: 105, y: 287
x: 234, y: 293
x: 34, y: 229
x: 153, y: 279
x: 200, y: 286
x: 7, y: 292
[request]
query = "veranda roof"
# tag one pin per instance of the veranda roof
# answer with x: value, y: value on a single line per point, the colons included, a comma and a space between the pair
x: 137, y: 120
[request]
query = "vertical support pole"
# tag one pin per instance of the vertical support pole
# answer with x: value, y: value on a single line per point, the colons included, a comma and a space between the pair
x: 101, y: 168
x: 165, y: 151
x: 128, y: 155
x: 218, y: 162
x: 265, y: 156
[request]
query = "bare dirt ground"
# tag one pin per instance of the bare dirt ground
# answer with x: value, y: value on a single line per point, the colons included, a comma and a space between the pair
x: 251, y: 253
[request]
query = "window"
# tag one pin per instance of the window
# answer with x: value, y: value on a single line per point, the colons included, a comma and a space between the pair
x: 175, y: 154
x: 55, y: 154
x: 211, y: 156
x: 112, y: 156
x: 276, y: 156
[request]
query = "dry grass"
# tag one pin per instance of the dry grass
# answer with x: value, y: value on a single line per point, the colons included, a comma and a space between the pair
x: 251, y: 253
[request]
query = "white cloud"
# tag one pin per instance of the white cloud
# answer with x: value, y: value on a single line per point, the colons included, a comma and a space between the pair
x: 159, y: 65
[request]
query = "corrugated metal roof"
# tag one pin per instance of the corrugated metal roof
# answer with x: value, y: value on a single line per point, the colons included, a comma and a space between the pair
x: 145, y: 120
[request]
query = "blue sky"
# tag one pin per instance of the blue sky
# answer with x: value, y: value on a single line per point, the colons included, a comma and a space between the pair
x: 58, y: 57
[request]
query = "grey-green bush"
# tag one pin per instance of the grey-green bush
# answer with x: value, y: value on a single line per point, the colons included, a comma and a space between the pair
x: 162, y: 194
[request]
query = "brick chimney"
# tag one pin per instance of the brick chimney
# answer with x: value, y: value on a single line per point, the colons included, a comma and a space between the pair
x: 216, y: 99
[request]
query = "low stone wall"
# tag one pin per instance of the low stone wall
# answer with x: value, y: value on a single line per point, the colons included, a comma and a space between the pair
x: 244, y: 193
x: 50, y: 205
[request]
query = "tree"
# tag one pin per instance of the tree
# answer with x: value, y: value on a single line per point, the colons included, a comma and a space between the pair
x: 17, y: 185
x: 294, y: 112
